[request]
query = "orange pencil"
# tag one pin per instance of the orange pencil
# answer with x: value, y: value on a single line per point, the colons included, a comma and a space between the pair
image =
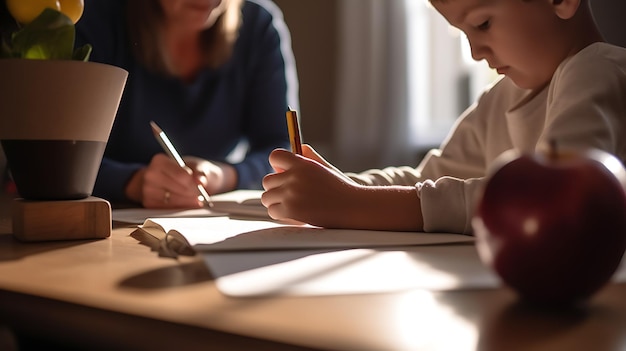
x: 294, y: 131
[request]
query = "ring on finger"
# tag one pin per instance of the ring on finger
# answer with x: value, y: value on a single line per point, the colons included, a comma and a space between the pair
x: 166, y: 197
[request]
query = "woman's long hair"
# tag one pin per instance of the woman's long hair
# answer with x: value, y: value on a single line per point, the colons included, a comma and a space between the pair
x: 145, y: 20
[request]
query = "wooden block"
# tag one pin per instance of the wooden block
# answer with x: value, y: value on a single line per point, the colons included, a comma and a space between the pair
x: 88, y: 218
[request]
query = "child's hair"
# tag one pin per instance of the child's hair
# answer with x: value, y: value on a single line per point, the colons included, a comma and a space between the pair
x: 145, y: 23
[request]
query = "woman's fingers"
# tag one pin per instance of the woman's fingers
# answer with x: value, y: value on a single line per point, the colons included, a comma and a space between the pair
x: 167, y: 185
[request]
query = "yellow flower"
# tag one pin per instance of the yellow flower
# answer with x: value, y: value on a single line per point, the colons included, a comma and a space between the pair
x: 25, y: 11
x: 72, y: 9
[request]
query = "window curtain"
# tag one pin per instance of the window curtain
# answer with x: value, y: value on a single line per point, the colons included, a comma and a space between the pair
x: 372, y: 124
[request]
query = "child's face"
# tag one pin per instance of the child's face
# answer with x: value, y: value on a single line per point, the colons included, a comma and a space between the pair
x: 521, y: 39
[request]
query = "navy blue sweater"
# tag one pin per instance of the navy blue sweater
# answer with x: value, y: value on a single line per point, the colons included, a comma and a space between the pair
x: 244, y: 100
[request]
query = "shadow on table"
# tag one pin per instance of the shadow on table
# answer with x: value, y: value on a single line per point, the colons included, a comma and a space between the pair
x: 169, y: 277
x: 12, y: 249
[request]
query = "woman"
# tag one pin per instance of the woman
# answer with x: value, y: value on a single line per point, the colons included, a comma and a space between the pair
x: 216, y: 75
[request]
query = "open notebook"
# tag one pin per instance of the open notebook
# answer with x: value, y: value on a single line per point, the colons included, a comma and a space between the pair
x: 187, y: 236
x: 236, y: 204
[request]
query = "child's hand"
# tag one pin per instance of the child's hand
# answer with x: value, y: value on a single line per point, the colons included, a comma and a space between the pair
x: 309, y: 152
x: 306, y: 188
x: 309, y: 189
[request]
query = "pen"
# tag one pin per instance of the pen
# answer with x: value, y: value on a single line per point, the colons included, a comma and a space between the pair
x: 294, y: 131
x: 166, y: 144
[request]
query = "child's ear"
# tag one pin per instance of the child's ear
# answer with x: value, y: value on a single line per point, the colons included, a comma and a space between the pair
x: 565, y: 9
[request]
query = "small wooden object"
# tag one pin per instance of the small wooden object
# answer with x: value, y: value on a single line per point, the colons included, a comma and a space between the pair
x: 88, y: 218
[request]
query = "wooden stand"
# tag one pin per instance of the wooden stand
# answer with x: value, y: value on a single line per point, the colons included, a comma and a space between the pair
x: 88, y: 218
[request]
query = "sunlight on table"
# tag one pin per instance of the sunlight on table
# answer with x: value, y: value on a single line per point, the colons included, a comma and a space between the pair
x: 424, y: 324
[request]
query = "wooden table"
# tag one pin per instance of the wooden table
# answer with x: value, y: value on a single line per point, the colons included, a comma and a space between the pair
x: 117, y: 294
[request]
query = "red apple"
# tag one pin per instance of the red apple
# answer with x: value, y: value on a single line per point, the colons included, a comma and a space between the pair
x: 553, y: 226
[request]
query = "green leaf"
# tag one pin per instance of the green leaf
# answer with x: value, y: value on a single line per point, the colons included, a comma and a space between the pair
x: 82, y: 53
x: 50, y: 36
x: 36, y: 52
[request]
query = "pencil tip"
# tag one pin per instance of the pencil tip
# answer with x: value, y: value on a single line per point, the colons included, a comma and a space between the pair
x: 155, y: 127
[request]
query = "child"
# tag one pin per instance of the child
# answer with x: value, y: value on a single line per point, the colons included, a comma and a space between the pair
x: 561, y: 82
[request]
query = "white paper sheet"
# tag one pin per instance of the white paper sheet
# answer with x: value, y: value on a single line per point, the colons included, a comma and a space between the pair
x: 139, y: 215
x: 238, y: 204
x: 227, y: 234
x: 355, y: 271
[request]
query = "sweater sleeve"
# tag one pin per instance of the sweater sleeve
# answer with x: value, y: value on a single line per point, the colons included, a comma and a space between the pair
x: 116, y: 174
x: 452, y: 177
x: 449, y: 179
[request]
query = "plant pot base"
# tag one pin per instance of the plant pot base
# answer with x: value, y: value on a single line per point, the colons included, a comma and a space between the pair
x: 88, y: 218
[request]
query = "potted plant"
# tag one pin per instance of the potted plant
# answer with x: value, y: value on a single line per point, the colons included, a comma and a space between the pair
x: 57, y: 108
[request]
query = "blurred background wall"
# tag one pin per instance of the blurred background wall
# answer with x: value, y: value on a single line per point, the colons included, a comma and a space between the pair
x: 314, y: 29
x: 611, y: 17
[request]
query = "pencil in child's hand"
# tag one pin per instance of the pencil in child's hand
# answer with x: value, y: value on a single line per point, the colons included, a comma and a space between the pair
x: 294, y: 131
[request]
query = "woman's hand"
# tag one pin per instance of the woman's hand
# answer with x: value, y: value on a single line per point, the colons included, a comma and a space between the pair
x: 164, y: 184
x: 216, y: 177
